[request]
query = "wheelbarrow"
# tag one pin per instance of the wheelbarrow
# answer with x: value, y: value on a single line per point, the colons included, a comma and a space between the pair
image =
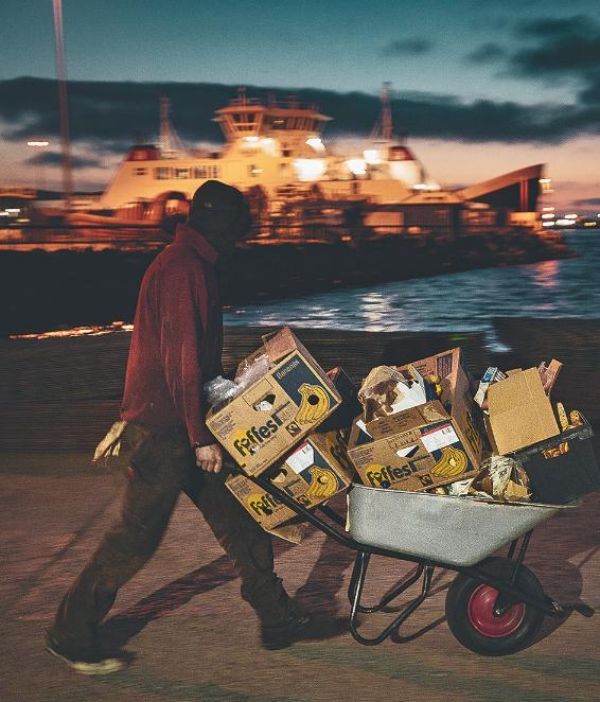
x: 494, y: 606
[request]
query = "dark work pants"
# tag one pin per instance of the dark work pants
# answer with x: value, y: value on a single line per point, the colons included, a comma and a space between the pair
x: 164, y: 466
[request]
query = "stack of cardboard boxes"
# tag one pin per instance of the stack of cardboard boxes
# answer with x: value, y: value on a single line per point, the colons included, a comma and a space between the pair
x: 417, y: 429
x: 272, y: 425
x: 423, y: 446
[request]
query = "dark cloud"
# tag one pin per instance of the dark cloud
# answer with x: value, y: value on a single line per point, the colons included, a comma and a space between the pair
x: 588, y: 201
x: 412, y: 46
x: 486, y: 53
x: 563, y: 49
x: 54, y: 158
x: 554, y: 26
x: 107, y: 117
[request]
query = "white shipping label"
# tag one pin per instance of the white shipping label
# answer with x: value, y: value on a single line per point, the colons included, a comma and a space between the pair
x: 302, y: 459
x: 438, y: 438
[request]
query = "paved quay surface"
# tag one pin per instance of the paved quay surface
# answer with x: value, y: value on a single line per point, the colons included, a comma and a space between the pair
x: 195, y: 639
x: 193, y: 636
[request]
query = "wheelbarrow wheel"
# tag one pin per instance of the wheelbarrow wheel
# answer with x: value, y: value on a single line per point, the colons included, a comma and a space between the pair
x: 470, y: 611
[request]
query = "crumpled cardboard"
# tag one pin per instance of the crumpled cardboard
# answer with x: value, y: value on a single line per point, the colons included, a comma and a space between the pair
x: 501, y: 478
x: 386, y: 391
x: 549, y: 374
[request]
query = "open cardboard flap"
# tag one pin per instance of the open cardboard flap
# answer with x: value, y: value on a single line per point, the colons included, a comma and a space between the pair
x: 520, y: 413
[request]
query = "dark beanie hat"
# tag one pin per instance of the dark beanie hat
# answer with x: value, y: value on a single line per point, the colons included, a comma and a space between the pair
x: 220, y: 212
x: 214, y: 195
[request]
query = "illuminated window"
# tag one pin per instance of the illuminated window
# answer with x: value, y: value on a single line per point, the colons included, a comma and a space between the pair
x: 162, y: 173
x: 181, y: 173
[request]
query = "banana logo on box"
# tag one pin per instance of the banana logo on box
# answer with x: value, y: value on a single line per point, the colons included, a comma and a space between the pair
x: 453, y: 462
x: 315, y: 403
x: 323, y: 483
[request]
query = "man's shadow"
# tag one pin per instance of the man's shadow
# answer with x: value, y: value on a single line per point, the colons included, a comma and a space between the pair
x: 118, y: 630
x: 326, y: 579
x: 318, y: 594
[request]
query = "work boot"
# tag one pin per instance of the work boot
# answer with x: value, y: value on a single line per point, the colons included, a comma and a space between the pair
x: 301, y: 626
x: 89, y: 662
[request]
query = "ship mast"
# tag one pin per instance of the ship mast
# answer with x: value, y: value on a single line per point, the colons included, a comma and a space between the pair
x: 169, y: 142
x: 383, y: 131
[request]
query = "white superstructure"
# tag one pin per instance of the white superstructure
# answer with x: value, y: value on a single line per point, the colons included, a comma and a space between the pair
x: 276, y: 146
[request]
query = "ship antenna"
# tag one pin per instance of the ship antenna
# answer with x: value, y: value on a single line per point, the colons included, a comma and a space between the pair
x: 169, y: 142
x: 383, y: 131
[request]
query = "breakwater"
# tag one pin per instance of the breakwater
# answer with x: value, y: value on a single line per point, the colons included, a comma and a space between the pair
x: 44, y: 287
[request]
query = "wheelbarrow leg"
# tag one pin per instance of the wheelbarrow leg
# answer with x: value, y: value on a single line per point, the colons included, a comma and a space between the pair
x: 356, y: 586
x: 392, y: 594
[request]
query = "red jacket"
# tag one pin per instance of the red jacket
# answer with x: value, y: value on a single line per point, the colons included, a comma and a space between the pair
x: 177, y: 338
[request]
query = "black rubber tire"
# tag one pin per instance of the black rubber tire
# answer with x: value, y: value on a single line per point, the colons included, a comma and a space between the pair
x: 457, y: 611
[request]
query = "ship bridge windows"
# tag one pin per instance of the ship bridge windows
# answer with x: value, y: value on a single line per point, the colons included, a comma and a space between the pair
x: 244, y: 122
x: 276, y: 123
x: 162, y: 173
x: 297, y: 123
x: 180, y: 173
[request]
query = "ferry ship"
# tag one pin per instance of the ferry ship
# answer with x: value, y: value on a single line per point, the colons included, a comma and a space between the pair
x: 275, y: 153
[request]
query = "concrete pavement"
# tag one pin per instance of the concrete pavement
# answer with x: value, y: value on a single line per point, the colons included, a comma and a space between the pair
x: 195, y: 639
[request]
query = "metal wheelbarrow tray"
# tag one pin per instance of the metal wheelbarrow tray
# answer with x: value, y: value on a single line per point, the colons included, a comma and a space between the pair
x: 494, y: 606
x: 457, y: 531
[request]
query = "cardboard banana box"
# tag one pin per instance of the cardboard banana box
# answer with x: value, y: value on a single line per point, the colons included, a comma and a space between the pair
x: 275, y: 413
x: 430, y: 445
x: 316, y: 471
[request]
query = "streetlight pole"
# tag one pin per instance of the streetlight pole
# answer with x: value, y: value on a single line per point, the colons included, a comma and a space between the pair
x: 63, y: 103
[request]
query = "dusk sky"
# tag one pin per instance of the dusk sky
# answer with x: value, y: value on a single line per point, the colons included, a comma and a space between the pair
x: 481, y: 87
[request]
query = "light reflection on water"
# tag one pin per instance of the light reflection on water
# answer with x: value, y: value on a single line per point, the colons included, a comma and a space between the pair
x: 452, y: 302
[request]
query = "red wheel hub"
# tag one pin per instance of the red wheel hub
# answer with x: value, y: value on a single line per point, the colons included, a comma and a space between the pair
x: 480, y: 611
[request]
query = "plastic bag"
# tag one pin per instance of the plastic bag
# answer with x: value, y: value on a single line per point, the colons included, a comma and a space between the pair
x: 219, y: 391
x: 251, y: 370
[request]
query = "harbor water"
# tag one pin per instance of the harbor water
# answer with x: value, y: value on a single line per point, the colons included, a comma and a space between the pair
x: 466, y: 301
